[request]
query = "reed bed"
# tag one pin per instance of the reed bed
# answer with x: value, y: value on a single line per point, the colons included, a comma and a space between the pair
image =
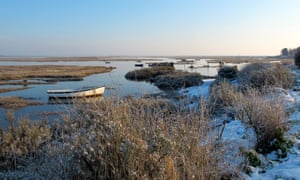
x: 115, y: 139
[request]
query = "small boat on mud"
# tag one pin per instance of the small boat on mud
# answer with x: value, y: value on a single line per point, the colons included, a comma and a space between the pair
x: 76, y: 93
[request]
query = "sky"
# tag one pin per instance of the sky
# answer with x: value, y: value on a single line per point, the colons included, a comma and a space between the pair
x: 148, y: 27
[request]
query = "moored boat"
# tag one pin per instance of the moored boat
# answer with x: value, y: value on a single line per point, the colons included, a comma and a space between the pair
x: 76, y: 93
x: 139, y: 65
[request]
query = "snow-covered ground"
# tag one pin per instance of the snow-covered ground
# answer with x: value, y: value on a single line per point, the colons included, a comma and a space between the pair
x: 289, y: 167
x: 237, y: 136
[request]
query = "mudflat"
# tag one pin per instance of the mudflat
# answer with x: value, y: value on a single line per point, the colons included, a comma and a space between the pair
x: 90, y: 58
x: 45, y: 74
x: 49, y: 71
x: 13, y: 102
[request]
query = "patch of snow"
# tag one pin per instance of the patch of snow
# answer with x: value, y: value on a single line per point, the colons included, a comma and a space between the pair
x: 237, y: 138
x: 295, y: 95
x: 197, y: 91
x: 281, y: 95
x: 192, y: 95
x: 237, y: 131
x: 289, y: 169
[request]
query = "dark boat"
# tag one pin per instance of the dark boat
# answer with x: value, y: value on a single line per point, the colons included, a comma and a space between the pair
x: 139, y: 65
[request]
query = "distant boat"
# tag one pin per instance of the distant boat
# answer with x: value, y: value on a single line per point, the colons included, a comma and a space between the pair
x: 139, y: 65
x: 76, y: 93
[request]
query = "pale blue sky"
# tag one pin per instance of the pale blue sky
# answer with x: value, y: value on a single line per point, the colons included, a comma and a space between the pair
x: 148, y: 27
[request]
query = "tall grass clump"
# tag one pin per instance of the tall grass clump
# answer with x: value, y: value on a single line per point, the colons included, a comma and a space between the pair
x: 20, y: 143
x: 261, y: 75
x: 223, y: 94
x: 268, y: 118
x: 141, y: 139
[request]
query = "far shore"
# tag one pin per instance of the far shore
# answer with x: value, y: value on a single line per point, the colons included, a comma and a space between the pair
x: 225, y: 59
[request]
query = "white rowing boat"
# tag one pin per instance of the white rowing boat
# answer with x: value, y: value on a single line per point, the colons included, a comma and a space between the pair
x: 76, y: 93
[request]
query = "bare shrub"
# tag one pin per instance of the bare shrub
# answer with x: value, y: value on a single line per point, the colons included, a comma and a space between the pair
x: 260, y: 76
x: 228, y: 72
x: 223, y: 94
x: 268, y: 118
x: 142, y: 139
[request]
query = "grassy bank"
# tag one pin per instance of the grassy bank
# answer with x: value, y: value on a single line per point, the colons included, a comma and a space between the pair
x: 49, y: 71
x: 166, y: 78
x: 12, y: 102
x: 3, y: 90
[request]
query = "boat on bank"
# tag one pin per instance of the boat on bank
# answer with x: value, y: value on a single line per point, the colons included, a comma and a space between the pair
x: 76, y: 93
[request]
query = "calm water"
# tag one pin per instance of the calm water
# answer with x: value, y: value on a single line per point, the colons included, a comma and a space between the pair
x: 114, y: 80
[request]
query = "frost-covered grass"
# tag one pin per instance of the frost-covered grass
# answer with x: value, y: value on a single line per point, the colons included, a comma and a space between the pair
x: 20, y: 143
x: 265, y: 75
x: 120, y: 138
x: 144, y: 139
x: 287, y: 167
x: 267, y: 118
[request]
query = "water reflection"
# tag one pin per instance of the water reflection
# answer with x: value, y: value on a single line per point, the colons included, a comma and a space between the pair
x: 74, y: 100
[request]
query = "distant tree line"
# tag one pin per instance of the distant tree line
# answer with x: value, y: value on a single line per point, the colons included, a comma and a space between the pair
x: 285, y: 52
x: 297, y: 57
x: 291, y: 53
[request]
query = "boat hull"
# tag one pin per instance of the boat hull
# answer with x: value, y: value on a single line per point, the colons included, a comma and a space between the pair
x: 139, y: 65
x: 80, y: 93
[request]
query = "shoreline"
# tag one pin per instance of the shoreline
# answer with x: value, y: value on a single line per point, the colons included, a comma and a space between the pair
x: 226, y: 59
